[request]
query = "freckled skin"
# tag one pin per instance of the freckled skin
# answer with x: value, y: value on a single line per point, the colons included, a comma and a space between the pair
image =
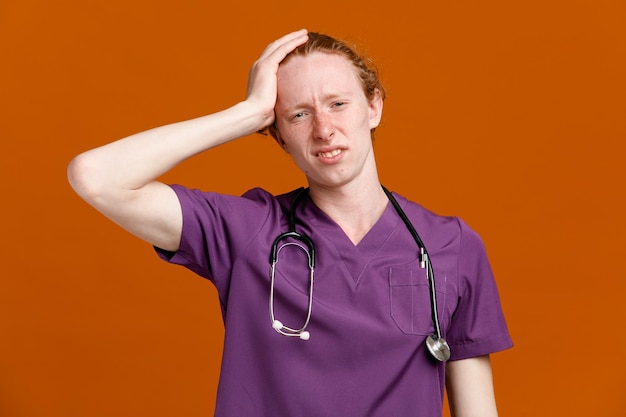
x: 321, y: 108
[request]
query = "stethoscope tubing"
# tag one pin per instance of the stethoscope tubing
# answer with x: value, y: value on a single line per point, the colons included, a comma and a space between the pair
x: 310, y: 251
x: 424, y: 261
x: 436, y: 344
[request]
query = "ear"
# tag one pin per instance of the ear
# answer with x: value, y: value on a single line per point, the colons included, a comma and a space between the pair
x: 278, y: 139
x: 375, y: 109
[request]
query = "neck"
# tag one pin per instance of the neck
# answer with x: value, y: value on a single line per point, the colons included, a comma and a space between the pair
x: 355, y: 208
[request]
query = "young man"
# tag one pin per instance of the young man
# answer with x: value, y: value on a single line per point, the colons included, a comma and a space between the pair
x: 369, y: 313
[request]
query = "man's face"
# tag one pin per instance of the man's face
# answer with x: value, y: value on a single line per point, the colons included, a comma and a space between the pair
x: 324, y: 119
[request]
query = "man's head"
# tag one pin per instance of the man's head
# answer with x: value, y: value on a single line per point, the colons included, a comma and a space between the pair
x: 326, y: 109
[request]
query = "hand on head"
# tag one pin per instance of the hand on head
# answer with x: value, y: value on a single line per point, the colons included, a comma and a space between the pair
x: 262, y: 84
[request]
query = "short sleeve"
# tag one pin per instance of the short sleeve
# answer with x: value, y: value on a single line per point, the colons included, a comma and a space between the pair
x: 216, y: 228
x: 478, y: 326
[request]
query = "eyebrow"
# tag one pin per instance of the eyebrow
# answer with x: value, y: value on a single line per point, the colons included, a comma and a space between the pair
x: 327, y: 97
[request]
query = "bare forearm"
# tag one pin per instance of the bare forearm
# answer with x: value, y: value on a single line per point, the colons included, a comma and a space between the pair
x: 111, y: 171
x: 132, y: 162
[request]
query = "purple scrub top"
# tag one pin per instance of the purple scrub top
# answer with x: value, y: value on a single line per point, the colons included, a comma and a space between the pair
x: 371, y: 310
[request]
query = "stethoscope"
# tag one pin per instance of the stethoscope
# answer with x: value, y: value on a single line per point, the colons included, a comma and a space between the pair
x: 436, y: 344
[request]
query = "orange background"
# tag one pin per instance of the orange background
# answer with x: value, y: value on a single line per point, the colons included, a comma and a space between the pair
x: 510, y: 114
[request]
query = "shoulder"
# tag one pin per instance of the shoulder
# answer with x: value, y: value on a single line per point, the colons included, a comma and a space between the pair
x: 416, y: 209
x: 441, y: 230
x: 435, y: 228
x: 256, y: 202
x: 264, y: 197
x: 195, y: 196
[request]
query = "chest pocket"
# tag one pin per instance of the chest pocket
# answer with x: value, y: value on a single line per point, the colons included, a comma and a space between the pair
x: 409, y: 297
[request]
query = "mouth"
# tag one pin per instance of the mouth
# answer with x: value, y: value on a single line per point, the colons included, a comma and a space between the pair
x: 329, y: 154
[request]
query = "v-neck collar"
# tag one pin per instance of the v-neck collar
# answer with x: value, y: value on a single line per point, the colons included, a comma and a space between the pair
x: 356, y: 258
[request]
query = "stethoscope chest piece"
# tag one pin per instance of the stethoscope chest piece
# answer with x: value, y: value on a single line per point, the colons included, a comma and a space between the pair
x: 438, y: 347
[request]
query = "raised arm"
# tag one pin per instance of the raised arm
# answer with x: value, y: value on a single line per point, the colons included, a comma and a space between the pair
x: 118, y: 179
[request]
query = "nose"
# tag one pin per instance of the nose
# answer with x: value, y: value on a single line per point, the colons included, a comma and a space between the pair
x: 323, y: 128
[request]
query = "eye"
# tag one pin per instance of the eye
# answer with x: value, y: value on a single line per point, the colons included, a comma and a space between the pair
x: 298, y: 116
x: 339, y: 104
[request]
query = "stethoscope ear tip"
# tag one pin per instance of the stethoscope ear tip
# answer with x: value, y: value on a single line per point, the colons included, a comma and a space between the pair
x: 286, y: 331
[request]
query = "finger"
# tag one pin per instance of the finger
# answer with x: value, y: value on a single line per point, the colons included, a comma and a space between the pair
x: 284, y: 39
x: 285, y: 44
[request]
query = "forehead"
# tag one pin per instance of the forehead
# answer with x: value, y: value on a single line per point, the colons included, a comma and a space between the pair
x: 317, y: 73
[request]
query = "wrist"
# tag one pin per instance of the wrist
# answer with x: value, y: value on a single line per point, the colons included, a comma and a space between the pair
x: 259, y: 118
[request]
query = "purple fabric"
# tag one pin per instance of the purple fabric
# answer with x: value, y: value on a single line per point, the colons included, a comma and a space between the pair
x: 371, y: 311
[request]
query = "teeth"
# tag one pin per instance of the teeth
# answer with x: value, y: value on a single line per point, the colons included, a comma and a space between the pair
x: 329, y: 154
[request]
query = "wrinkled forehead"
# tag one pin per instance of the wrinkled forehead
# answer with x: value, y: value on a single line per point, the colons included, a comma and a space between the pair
x: 316, y: 72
